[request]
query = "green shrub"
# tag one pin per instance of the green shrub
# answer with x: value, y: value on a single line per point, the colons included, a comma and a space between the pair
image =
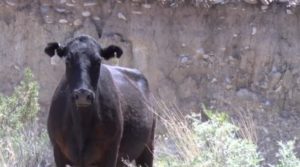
x: 216, y: 144
x: 188, y: 142
x: 287, y: 156
x: 21, y: 107
x: 22, y: 142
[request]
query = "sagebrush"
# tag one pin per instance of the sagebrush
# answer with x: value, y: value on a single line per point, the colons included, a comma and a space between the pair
x: 22, y: 142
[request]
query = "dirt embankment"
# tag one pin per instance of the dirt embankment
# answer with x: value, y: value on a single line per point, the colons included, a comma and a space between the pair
x: 234, y: 57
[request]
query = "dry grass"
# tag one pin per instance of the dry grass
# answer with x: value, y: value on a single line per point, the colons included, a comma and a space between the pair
x: 245, y: 122
x: 178, y: 129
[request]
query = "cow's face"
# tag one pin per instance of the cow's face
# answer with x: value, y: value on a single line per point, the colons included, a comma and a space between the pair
x: 83, y: 57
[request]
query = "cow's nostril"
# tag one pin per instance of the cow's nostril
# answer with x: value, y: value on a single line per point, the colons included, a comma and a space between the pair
x: 89, y: 98
x: 76, y: 96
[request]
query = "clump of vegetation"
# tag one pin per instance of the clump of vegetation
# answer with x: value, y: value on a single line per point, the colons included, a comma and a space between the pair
x: 213, y: 143
x: 286, y: 155
x: 21, y: 142
x: 189, y: 142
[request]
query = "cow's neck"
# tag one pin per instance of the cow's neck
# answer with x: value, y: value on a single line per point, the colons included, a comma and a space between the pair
x: 83, y: 122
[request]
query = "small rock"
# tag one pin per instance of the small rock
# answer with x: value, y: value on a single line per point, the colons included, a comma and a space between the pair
x: 184, y: 59
x: 228, y: 87
x: 77, y: 22
x: 267, y: 103
x: 227, y: 80
x: 253, y: 31
x: 251, y: 1
x: 247, y: 47
x: 89, y: 3
x: 235, y: 35
x: 61, y: 10
x: 264, y: 7
x: 63, y: 1
x: 86, y: 13
x: 266, y: 2
x: 183, y: 45
x: 205, y: 56
x: 121, y: 16
x: 288, y: 11
x: 146, y: 6
x: 214, y: 80
x: 245, y: 93
x: 63, y: 21
x: 200, y: 51
x: 10, y: 3
x: 136, y: 12
x: 70, y: 4
x: 96, y: 18
x: 275, y: 78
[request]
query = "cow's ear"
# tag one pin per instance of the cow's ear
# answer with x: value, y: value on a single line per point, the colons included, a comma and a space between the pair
x: 54, y: 47
x: 111, y: 51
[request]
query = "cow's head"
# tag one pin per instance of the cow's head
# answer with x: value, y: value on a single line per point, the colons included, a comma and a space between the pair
x: 83, y: 57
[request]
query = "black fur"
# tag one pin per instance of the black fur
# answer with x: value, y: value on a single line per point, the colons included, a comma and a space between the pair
x: 111, y: 51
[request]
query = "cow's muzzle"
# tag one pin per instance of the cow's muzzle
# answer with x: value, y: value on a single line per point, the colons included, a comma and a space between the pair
x: 83, y: 97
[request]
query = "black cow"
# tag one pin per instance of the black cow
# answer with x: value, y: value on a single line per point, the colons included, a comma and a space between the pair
x: 99, y: 113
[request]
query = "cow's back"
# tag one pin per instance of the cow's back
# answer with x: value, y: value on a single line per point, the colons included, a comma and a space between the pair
x: 138, y: 119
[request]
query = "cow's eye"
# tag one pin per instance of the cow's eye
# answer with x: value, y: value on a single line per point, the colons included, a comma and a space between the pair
x: 97, y: 62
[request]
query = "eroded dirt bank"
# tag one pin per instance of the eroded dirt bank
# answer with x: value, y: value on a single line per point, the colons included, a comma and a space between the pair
x: 234, y: 57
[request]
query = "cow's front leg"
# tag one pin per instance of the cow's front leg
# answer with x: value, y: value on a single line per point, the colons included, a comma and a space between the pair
x: 112, y: 154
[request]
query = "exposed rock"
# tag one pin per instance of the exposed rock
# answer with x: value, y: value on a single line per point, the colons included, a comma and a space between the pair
x: 136, y: 12
x: 146, y: 6
x: 89, y: 3
x: 63, y: 21
x: 264, y: 7
x: 86, y: 13
x: 253, y: 31
x: 246, y: 94
x: 70, y: 4
x: 10, y: 2
x: 266, y: 2
x: 251, y: 1
x: 121, y: 16
x: 63, y: 1
x: 288, y: 11
x: 275, y: 78
x: 77, y: 22
x: 96, y: 18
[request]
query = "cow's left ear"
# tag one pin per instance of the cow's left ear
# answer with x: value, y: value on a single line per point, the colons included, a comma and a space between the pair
x: 54, y: 47
x: 111, y: 51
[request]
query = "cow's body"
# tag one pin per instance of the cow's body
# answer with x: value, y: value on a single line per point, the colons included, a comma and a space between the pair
x: 117, y: 125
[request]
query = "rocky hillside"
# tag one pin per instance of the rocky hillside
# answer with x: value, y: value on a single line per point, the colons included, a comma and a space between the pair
x: 231, y: 56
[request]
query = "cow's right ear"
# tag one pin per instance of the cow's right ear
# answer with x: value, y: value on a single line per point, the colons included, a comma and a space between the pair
x: 111, y: 52
x: 54, y: 47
